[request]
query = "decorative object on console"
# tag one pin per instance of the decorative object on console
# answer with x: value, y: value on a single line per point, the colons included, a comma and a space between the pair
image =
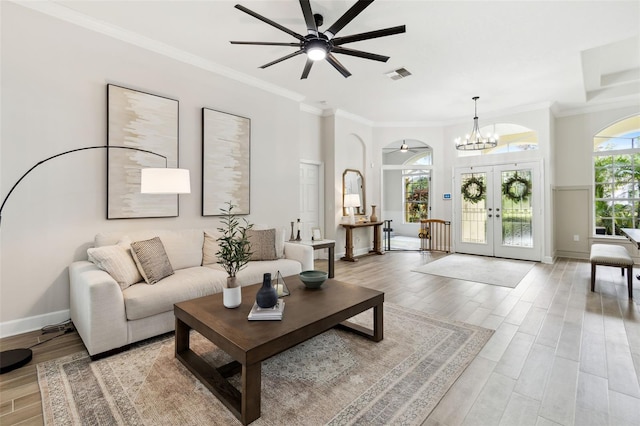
x: 313, y: 278
x: 281, y: 286
x: 373, y: 217
x: 319, y: 45
x: 298, y: 233
x: 316, y: 234
x: 267, y: 297
x: 144, y: 121
x: 234, y: 251
x: 475, y: 141
x: 15, y: 358
x: 226, y: 148
x: 353, y: 183
x: 351, y: 201
x: 292, y: 238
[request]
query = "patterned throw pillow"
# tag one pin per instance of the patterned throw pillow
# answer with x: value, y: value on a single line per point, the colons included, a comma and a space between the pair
x: 151, y: 259
x: 263, y: 244
x: 117, y: 261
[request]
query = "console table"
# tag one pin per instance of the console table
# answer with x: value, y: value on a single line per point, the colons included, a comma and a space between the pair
x: 377, y: 249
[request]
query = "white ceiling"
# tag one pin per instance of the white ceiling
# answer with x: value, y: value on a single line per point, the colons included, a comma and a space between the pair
x: 513, y: 54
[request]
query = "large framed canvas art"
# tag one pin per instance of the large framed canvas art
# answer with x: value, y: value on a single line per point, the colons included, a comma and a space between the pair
x: 144, y: 121
x: 226, y: 149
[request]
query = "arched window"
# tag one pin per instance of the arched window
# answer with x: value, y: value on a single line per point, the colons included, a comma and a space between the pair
x: 512, y: 138
x: 616, y: 171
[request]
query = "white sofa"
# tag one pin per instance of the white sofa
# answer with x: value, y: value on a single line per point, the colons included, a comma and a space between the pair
x: 109, y: 315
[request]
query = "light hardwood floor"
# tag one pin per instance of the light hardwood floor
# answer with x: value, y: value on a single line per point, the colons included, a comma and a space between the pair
x: 560, y: 354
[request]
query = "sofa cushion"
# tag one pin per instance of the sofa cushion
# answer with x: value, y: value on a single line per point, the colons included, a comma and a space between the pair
x: 254, y: 271
x: 210, y: 248
x: 143, y: 300
x: 117, y: 261
x: 151, y: 259
x: 183, y: 247
x: 263, y: 244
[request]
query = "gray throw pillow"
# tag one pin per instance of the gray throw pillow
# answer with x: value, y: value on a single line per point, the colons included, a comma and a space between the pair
x: 151, y: 259
x: 263, y: 244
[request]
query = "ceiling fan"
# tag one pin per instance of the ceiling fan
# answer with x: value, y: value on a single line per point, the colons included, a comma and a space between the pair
x: 319, y: 45
x: 405, y: 148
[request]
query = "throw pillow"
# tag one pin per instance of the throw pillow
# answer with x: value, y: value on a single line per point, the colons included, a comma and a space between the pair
x: 151, y: 259
x: 263, y: 244
x: 117, y: 261
x: 209, y: 249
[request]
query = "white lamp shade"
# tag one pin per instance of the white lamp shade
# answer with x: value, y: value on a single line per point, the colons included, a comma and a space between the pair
x: 165, y: 181
x: 352, y: 200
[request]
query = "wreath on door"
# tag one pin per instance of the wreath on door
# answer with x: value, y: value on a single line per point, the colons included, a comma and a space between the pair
x: 473, y: 190
x: 517, y: 188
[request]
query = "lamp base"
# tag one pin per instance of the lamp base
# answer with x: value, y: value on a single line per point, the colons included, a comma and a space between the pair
x: 14, y: 358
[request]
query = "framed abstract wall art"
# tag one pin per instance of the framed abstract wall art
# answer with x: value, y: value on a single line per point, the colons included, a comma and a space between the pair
x: 144, y: 121
x: 226, y: 149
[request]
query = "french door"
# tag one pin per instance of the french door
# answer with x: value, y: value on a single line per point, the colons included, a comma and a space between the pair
x: 498, y: 211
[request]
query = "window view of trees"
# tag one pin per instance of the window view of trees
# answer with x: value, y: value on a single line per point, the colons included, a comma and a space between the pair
x: 416, y: 195
x: 617, y: 177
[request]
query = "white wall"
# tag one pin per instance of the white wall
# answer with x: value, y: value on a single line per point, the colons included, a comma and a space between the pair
x: 54, y: 77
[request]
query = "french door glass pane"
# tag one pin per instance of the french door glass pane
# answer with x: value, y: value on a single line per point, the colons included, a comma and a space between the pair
x: 517, y: 212
x: 474, y: 210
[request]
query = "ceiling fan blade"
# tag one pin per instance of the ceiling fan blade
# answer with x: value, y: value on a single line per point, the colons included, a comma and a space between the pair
x: 354, y: 11
x: 308, y: 17
x: 337, y: 65
x: 291, y: 55
x: 307, y: 68
x: 268, y: 21
x: 359, y: 54
x: 370, y: 34
x: 266, y: 43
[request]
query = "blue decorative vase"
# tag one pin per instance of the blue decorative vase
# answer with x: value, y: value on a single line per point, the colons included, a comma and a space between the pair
x: 267, y: 296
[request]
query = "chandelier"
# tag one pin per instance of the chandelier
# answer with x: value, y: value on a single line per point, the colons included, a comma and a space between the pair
x: 475, y: 141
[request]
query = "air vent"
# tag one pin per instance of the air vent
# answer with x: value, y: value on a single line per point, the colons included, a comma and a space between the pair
x: 398, y: 74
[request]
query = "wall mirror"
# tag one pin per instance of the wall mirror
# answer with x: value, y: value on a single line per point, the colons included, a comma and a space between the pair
x: 353, y: 183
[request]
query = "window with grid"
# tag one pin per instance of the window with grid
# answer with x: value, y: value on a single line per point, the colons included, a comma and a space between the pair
x: 616, y: 167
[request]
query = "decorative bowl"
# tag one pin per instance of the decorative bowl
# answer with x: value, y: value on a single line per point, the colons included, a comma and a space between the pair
x: 313, y: 278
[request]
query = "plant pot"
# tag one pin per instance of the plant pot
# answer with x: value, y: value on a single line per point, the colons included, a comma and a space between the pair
x: 232, y: 297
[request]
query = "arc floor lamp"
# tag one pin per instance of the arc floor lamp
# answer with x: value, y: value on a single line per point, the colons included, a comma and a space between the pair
x: 152, y: 181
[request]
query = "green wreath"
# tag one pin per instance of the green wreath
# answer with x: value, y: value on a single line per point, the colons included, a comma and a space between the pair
x: 473, y: 189
x: 517, y: 188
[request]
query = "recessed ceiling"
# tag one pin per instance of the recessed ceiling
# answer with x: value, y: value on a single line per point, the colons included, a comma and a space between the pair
x: 512, y: 54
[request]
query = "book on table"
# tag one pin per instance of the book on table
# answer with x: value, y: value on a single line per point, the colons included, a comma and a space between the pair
x: 267, y: 314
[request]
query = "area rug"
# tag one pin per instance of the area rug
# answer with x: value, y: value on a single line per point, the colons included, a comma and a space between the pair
x: 480, y: 269
x: 336, y: 378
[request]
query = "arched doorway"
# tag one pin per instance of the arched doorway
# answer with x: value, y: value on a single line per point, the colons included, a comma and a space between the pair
x: 406, y: 191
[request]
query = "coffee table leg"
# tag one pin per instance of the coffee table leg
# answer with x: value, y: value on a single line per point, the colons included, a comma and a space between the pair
x: 251, y: 383
x: 378, y: 321
x: 182, y: 336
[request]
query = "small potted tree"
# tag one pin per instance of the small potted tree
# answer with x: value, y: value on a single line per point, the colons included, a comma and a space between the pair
x: 234, y: 252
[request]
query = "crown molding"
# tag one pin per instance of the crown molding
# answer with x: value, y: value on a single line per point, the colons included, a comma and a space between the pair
x: 87, y: 22
x: 311, y: 109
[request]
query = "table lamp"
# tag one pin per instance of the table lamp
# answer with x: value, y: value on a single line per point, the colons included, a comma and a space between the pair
x: 352, y: 201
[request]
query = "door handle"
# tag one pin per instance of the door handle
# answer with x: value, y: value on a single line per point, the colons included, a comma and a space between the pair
x: 497, y: 215
x: 489, y: 215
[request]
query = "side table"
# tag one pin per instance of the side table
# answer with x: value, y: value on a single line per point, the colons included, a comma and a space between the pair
x: 322, y: 244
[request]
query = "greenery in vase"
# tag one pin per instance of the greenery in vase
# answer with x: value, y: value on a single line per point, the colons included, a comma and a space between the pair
x: 235, y: 248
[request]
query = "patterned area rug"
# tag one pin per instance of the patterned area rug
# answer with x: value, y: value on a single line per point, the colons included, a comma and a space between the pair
x: 479, y: 269
x: 336, y: 378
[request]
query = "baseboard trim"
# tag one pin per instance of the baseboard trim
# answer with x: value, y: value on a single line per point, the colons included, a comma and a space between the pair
x: 25, y: 325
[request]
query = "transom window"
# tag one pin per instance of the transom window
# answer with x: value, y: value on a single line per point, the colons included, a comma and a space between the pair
x: 616, y: 171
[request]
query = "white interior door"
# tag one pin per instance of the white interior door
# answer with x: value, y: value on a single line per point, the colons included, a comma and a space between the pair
x: 498, y: 211
x: 310, y: 209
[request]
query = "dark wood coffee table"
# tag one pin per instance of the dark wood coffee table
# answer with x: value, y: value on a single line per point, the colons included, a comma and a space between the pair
x: 307, y: 313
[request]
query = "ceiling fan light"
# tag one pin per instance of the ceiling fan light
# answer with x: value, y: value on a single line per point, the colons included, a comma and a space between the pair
x: 404, y: 147
x: 316, y: 53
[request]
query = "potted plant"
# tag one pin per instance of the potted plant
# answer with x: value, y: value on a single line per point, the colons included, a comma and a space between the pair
x: 234, y: 252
